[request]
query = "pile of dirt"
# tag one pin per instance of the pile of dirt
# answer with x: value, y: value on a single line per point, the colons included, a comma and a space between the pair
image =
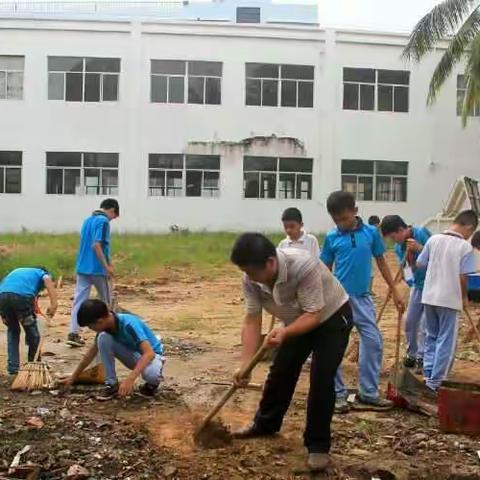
x: 181, y: 347
x: 75, y: 438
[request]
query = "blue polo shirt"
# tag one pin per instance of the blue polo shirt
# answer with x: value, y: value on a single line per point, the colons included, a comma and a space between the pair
x: 351, y: 253
x: 420, y: 235
x: 24, y: 281
x: 131, y: 331
x: 95, y: 228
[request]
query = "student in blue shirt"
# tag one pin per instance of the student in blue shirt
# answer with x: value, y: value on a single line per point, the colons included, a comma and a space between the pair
x: 126, y: 337
x: 409, y: 242
x: 94, y: 264
x: 349, y: 248
x: 18, y: 293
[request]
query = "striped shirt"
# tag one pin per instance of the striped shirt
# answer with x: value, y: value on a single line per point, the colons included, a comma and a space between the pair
x: 306, y: 242
x: 304, y: 284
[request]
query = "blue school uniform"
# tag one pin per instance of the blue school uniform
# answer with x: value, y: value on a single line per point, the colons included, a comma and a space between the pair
x: 351, y: 253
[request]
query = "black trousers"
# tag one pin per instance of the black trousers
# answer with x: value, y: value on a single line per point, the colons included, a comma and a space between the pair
x: 327, y: 343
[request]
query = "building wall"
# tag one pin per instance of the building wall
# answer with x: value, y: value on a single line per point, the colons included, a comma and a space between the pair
x: 431, y: 140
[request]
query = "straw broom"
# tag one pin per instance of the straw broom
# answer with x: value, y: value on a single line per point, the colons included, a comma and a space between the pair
x: 34, y: 375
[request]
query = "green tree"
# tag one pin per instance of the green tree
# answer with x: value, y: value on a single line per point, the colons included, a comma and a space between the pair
x: 458, y: 23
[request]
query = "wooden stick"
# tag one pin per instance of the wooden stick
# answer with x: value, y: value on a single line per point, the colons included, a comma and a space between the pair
x: 397, y: 347
x: 245, y: 372
x: 472, y: 324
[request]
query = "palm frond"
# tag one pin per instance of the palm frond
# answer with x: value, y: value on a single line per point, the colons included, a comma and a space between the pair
x: 456, y: 49
x: 472, y: 77
x: 442, y: 21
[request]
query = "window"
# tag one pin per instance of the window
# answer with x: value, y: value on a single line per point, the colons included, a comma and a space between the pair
x: 461, y: 92
x: 79, y: 79
x: 248, y: 15
x: 272, y: 177
x: 271, y: 85
x: 380, y: 90
x: 74, y: 173
x: 10, y: 172
x: 11, y: 77
x: 169, y: 82
x: 380, y: 180
x: 176, y: 175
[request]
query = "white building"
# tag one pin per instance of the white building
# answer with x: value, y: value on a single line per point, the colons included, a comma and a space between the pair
x: 194, y: 119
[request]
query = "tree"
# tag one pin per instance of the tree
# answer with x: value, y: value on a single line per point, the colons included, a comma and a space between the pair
x: 458, y: 22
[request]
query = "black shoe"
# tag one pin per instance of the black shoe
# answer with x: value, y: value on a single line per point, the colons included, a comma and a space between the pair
x: 250, y: 432
x: 75, y: 340
x: 148, y: 390
x: 409, y: 362
x: 109, y: 392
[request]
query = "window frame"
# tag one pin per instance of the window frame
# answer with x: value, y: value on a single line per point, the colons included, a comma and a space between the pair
x: 84, y: 73
x: 83, y: 187
x: 186, y: 82
x: 374, y: 176
x: 463, y: 90
x: 4, y: 167
x: 279, y: 83
x: 277, y: 172
x: 376, y: 86
x: 6, y: 71
x: 184, y: 170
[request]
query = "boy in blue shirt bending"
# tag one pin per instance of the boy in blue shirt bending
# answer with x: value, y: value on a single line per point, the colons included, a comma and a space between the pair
x: 350, y: 248
x: 94, y: 265
x: 409, y: 242
x: 126, y: 337
x: 18, y: 292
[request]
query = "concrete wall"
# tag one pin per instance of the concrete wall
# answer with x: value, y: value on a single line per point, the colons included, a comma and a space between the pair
x: 431, y: 140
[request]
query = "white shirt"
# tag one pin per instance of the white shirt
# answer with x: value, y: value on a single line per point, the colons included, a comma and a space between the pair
x: 306, y: 242
x: 447, y: 256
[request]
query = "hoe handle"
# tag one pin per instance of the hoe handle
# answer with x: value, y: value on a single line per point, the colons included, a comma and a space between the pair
x: 245, y: 372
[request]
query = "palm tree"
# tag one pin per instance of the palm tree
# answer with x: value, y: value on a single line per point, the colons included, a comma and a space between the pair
x: 458, y: 22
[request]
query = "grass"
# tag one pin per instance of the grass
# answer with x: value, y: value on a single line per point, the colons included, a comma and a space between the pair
x: 137, y: 255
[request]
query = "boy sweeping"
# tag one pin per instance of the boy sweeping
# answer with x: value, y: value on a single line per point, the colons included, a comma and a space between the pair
x: 18, y: 293
x: 94, y: 265
x: 124, y: 337
x: 296, y: 236
x: 409, y: 242
x: 350, y: 248
x: 448, y: 258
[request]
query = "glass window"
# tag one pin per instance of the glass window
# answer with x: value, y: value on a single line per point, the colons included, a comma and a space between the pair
x: 10, y: 172
x: 359, y: 75
x: 159, y: 89
x: 176, y: 89
x: 394, y: 77
x: 196, y: 87
x: 260, y: 163
x: 367, y: 97
x: 248, y: 15
x: 168, y: 67
x: 289, y: 93
x: 385, y: 98
x: 375, y: 180
x: 204, y: 162
x: 305, y: 94
x: 11, y: 77
x: 351, y: 93
x: 213, y: 91
x: 262, y: 70
x: 270, y: 93
x: 297, y: 72
x: 253, y: 92
x: 205, y: 69
x: 78, y: 79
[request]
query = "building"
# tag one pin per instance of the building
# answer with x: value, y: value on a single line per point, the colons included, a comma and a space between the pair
x: 215, y: 116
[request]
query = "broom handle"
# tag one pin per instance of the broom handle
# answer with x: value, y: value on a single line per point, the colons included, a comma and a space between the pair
x: 272, y: 323
x: 40, y: 345
x: 472, y: 323
x: 397, y: 346
x: 243, y: 373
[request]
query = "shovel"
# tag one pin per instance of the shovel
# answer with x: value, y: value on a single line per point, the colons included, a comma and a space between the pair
x: 245, y: 372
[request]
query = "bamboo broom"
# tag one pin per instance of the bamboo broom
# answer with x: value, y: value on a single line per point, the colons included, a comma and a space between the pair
x: 34, y: 375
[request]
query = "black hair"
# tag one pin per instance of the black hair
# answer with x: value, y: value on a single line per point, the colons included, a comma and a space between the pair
x: 110, y: 203
x: 467, y: 218
x: 392, y: 224
x: 292, y: 214
x: 252, y: 249
x: 476, y: 240
x: 339, y: 201
x: 374, y: 220
x: 91, y: 311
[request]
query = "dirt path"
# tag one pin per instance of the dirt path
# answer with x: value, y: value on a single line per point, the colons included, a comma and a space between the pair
x: 199, y: 320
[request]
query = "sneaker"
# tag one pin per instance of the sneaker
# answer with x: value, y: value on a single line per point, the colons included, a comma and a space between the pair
x: 109, y: 392
x: 341, y: 406
x: 409, y: 362
x: 377, y: 403
x: 147, y: 390
x: 419, y: 369
x: 75, y: 340
x: 318, y: 462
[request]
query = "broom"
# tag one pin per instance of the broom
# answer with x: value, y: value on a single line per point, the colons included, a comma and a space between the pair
x: 34, y: 375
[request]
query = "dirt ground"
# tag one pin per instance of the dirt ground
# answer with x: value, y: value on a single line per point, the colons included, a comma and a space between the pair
x: 199, y: 320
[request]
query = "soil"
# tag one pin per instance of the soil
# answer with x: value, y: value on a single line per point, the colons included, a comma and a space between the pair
x: 199, y: 320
